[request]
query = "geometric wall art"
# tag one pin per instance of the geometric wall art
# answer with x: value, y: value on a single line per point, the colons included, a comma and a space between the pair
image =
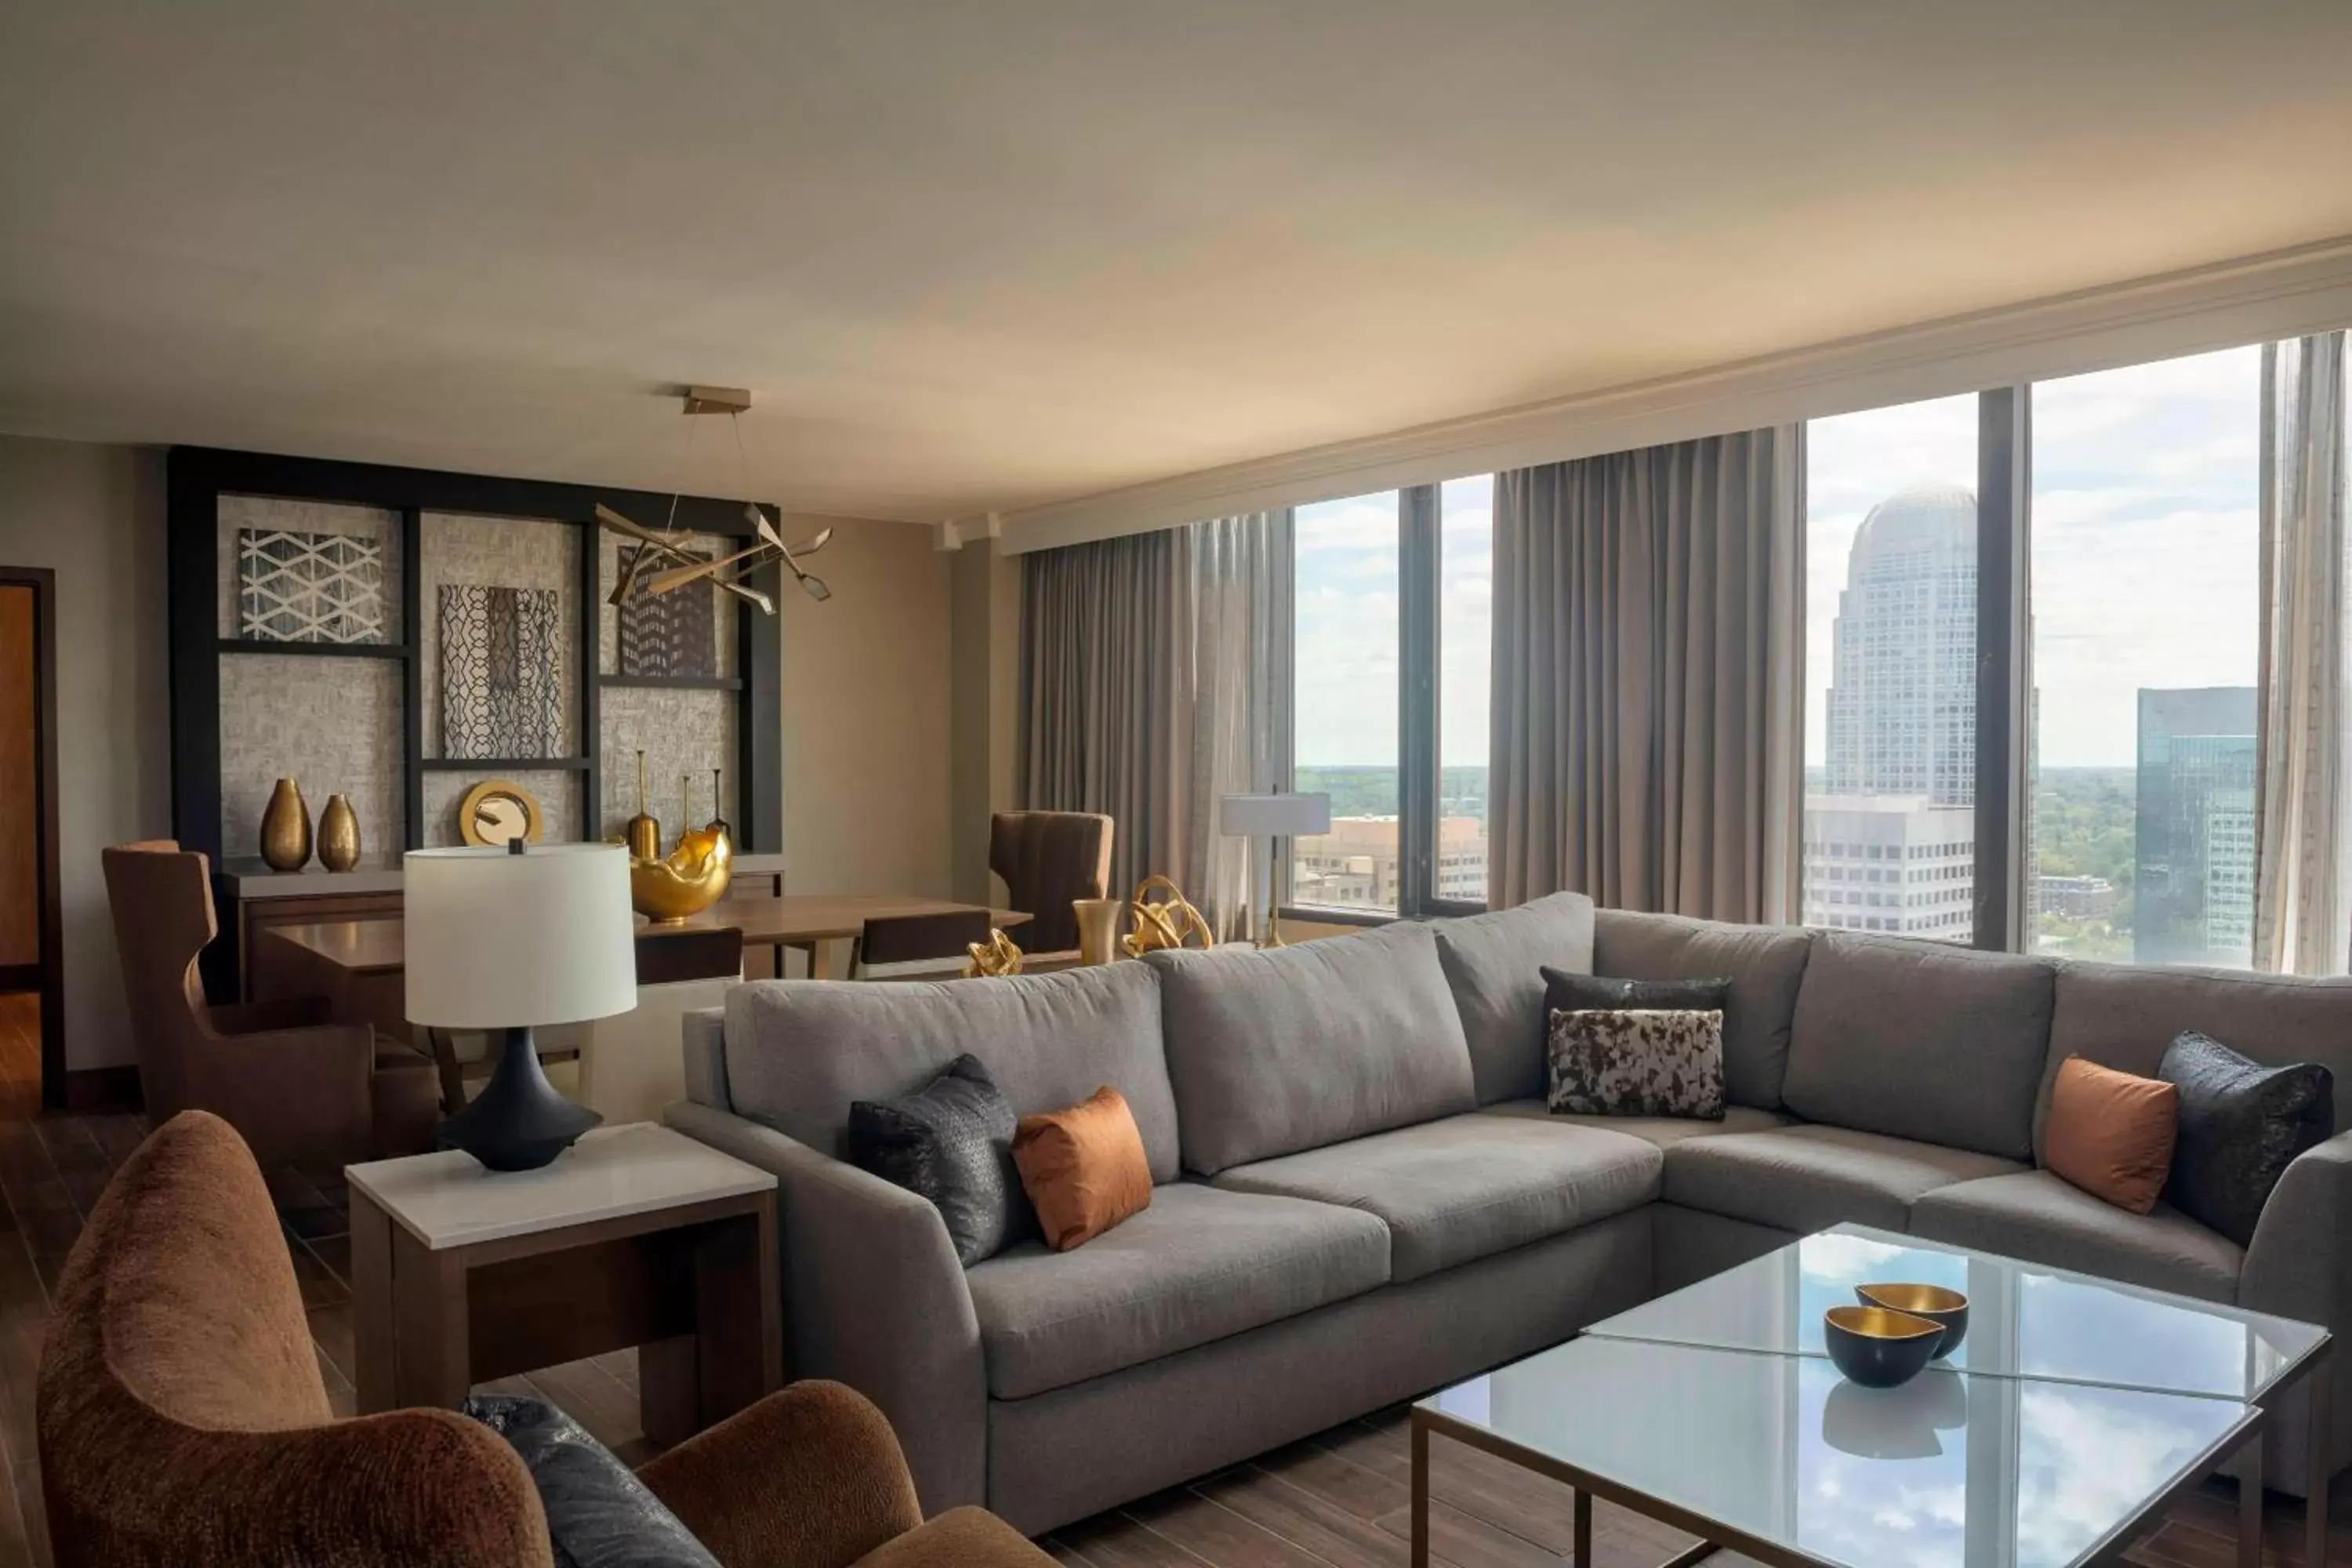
x: 309, y: 587
x: 499, y: 695
x: 672, y: 633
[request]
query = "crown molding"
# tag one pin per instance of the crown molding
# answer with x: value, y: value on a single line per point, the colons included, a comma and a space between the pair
x: 2277, y: 294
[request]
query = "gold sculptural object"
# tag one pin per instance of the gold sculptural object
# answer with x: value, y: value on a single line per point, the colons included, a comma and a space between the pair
x: 718, y: 823
x: 688, y: 880
x: 1166, y: 923
x: 285, y: 828
x: 995, y: 957
x: 339, y: 835
x: 642, y: 834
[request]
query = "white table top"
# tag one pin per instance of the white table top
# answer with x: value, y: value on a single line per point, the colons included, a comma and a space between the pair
x: 447, y: 1199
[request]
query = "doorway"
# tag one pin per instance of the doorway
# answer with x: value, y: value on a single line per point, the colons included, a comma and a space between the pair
x: 32, y: 1022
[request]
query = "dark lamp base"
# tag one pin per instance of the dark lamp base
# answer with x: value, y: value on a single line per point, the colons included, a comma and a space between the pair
x: 517, y: 1122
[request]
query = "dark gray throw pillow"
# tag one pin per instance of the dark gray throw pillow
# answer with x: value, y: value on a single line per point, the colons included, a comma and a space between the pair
x: 1568, y: 992
x: 951, y: 1141
x: 2241, y: 1125
x: 598, y: 1514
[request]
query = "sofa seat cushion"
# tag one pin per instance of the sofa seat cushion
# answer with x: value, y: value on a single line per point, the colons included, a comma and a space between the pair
x: 1467, y: 1186
x: 1810, y: 1178
x: 1661, y: 1132
x: 1198, y: 1265
x: 2037, y: 1216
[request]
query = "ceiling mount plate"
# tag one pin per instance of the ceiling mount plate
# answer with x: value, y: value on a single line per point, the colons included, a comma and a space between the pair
x: 717, y: 400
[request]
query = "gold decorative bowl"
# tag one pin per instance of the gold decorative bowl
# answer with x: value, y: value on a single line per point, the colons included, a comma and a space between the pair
x: 1879, y: 1349
x: 686, y: 881
x: 1944, y: 1306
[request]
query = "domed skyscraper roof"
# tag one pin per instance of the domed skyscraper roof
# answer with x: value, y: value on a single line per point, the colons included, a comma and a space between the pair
x: 1919, y: 517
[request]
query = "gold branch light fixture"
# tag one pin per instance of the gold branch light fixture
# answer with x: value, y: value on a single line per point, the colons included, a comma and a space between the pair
x: 658, y: 558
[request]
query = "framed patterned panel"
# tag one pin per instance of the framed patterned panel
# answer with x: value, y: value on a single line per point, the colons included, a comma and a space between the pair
x: 310, y: 587
x: 673, y: 634
x: 499, y: 694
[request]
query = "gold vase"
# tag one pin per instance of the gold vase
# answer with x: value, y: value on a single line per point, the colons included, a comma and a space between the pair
x: 643, y: 833
x: 286, y: 829
x: 339, y: 835
x: 1097, y: 928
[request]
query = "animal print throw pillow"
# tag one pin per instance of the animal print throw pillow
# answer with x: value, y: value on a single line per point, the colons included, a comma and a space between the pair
x: 1637, y: 1061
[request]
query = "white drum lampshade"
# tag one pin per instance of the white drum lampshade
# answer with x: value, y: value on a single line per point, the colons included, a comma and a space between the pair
x: 1275, y: 815
x: 500, y: 940
x: 511, y: 940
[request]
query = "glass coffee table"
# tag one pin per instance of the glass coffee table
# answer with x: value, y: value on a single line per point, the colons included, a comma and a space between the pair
x: 2075, y: 1409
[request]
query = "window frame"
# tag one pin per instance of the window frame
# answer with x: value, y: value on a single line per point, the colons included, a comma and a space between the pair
x: 1419, y: 600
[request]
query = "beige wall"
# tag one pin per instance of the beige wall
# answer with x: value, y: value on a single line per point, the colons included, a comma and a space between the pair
x: 865, y: 705
x: 95, y: 516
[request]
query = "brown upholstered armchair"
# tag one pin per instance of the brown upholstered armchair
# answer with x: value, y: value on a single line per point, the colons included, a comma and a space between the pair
x: 181, y: 1420
x: 1046, y: 859
x: 302, y: 1089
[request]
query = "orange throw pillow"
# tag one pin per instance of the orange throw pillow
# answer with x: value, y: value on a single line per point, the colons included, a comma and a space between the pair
x: 2111, y: 1134
x: 1084, y: 1168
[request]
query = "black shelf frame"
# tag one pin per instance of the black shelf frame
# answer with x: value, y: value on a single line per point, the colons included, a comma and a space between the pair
x: 195, y: 478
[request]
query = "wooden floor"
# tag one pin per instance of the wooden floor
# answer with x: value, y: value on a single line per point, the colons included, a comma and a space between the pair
x: 1338, y: 1500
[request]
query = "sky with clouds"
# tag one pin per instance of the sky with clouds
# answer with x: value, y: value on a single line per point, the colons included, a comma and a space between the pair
x: 2145, y: 498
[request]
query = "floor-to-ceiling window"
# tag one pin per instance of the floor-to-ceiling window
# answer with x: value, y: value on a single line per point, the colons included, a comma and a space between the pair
x: 1890, y: 662
x: 1344, y: 730
x: 2146, y: 496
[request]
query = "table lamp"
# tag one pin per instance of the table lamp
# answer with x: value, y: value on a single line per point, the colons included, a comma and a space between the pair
x: 1272, y: 817
x: 511, y: 939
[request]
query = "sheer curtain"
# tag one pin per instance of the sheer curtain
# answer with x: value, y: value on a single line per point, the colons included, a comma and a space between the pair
x: 1156, y: 677
x: 2302, y: 885
x: 1647, y: 721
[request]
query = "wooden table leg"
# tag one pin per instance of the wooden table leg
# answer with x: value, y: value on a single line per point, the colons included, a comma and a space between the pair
x: 433, y: 1342
x: 1420, y: 1547
x: 1584, y: 1554
x: 2250, y: 1499
x: 372, y: 1314
x: 736, y: 1354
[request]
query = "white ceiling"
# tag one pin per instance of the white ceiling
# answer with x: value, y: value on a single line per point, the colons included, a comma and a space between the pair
x: 999, y: 252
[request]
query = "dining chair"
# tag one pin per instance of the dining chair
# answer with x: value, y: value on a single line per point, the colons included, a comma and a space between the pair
x: 299, y: 1088
x: 632, y: 1065
x: 917, y: 947
x: 1046, y: 859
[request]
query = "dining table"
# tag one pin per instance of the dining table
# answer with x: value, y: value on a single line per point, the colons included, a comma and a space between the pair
x: 358, y: 964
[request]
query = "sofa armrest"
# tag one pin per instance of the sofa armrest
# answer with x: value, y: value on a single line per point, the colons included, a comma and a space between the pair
x: 833, y: 1485
x: 873, y: 1298
x: 2300, y: 1266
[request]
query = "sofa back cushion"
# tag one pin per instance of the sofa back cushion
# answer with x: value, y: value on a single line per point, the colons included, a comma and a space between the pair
x: 1915, y: 1039
x: 1275, y: 1052
x: 2123, y: 1017
x: 799, y: 1051
x: 1764, y: 965
x: 1492, y: 964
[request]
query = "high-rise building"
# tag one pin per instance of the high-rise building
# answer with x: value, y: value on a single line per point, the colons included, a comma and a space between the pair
x: 1903, y: 691
x: 1891, y: 845
x: 2193, y: 883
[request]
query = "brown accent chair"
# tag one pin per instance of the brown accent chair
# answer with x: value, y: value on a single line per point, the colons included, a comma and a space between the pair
x: 299, y: 1088
x: 1046, y: 859
x: 181, y: 1420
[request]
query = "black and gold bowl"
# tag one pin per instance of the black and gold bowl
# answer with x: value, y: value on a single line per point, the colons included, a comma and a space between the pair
x: 1940, y: 1305
x: 1877, y: 1348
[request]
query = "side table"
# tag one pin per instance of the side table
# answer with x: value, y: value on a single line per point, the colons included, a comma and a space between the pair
x: 636, y: 1235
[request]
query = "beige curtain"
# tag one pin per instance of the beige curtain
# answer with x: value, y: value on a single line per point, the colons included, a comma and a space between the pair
x: 1155, y: 678
x: 1648, y: 713
x: 2303, y: 886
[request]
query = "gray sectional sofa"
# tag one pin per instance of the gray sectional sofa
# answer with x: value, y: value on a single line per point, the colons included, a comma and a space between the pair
x: 1359, y: 1195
